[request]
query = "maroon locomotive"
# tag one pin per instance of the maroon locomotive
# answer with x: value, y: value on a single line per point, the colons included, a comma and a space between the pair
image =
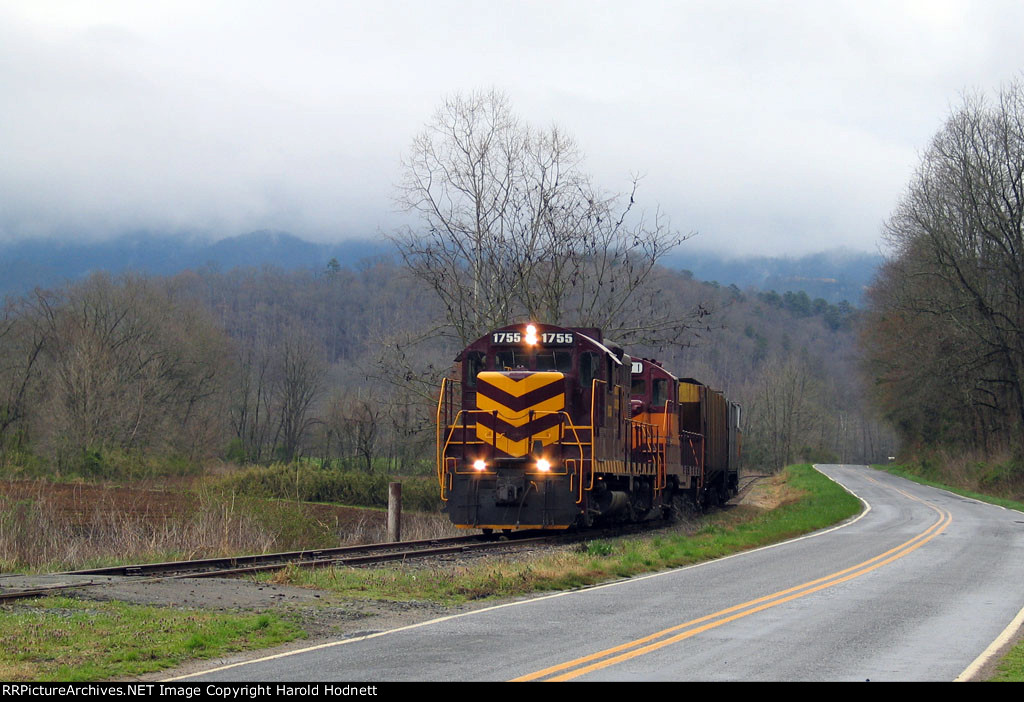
x: 547, y: 427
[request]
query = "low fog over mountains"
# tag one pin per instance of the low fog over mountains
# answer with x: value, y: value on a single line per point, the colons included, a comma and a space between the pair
x: 833, y: 275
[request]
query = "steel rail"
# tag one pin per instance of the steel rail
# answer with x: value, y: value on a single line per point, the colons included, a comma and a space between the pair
x: 236, y: 562
x: 313, y: 558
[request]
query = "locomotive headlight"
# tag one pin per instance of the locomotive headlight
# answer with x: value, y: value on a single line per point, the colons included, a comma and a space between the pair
x: 543, y: 465
x: 531, y: 334
x: 480, y: 464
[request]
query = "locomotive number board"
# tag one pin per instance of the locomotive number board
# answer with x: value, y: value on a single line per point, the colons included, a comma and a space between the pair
x: 544, y: 338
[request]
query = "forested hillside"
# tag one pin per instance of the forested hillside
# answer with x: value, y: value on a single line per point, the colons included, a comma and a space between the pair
x: 157, y: 374
x: 30, y: 263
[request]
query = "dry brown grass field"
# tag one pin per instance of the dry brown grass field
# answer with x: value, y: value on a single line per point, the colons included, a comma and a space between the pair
x: 63, y: 526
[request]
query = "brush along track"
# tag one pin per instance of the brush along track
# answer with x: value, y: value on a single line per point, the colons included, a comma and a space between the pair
x: 319, y: 558
x: 355, y: 556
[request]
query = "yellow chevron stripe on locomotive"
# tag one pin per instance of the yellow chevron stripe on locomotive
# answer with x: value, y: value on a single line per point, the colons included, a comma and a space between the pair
x: 513, y: 396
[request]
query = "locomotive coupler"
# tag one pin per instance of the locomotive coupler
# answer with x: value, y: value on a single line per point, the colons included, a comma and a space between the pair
x: 509, y: 487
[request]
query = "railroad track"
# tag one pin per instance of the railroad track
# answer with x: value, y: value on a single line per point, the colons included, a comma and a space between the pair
x: 750, y: 481
x: 363, y: 555
x: 368, y: 554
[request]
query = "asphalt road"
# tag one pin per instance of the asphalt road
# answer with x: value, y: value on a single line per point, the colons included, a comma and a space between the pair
x: 915, y: 588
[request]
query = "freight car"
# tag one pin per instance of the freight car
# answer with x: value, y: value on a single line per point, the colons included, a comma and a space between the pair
x: 547, y: 427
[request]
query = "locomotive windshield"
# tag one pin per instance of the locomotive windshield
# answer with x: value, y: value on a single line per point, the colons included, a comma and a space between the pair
x: 554, y: 360
x: 510, y: 359
x: 541, y: 360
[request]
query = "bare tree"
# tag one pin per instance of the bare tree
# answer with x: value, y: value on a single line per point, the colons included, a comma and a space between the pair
x: 299, y: 371
x: 956, y: 281
x: 512, y: 228
x: 21, y: 343
x: 275, y: 387
x: 251, y: 408
x: 781, y: 415
x: 127, y: 365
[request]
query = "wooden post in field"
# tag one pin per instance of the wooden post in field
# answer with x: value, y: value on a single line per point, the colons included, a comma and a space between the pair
x: 394, y: 512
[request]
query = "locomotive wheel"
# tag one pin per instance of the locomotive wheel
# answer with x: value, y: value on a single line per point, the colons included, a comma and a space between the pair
x: 724, y: 493
x: 709, y: 497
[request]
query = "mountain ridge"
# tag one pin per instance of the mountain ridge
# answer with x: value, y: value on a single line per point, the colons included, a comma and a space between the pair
x: 833, y: 275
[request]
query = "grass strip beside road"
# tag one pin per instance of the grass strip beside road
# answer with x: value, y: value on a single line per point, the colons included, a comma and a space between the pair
x: 810, y: 501
x: 69, y: 640
x: 909, y: 474
x: 1011, y: 667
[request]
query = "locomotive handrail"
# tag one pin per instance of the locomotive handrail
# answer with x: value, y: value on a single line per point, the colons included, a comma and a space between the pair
x: 699, y: 455
x: 593, y: 405
x: 579, y: 443
x: 444, y: 407
x: 668, y: 437
x: 439, y: 453
x: 447, y: 480
x: 645, y: 437
x: 571, y: 425
x: 450, y: 429
x: 593, y: 432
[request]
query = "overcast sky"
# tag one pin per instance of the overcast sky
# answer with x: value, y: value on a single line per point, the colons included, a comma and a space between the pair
x: 768, y: 127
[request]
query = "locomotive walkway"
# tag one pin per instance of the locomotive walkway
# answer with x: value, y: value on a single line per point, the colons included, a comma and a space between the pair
x: 915, y: 588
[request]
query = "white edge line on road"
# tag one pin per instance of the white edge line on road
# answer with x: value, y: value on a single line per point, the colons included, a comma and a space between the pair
x: 988, y: 653
x: 331, y: 644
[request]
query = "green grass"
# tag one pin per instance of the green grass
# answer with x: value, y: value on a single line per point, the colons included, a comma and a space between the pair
x: 62, y: 639
x: 308, y: 482
x: 1011, y: 668
x: 908, y: 473
x: 821, y: 503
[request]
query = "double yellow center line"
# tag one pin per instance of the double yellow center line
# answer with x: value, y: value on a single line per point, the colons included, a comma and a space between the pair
x: 666, y: 637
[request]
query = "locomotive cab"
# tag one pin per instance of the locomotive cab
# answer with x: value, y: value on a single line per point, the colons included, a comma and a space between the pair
x: 652, y: 388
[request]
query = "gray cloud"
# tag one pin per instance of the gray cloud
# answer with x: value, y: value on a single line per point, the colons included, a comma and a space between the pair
x: 768, y: 127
